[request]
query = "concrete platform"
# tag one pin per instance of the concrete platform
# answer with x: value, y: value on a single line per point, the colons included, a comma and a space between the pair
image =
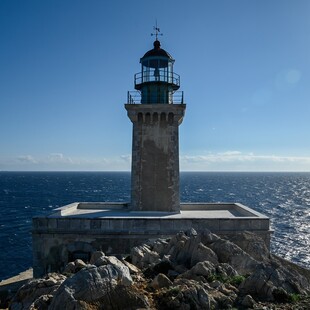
x: 78, y: 229
x: 188, y: 211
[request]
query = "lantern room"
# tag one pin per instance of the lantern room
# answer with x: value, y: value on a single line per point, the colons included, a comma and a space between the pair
x: 157, y: 82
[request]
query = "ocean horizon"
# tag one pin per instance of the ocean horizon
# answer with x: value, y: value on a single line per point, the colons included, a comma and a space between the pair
x: 282, y: 196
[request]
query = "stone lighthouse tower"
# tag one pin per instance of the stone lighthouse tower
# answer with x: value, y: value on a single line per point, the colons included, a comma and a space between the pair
x: 156, y: 117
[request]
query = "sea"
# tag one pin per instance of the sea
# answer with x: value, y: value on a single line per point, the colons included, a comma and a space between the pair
x: 284, y: 197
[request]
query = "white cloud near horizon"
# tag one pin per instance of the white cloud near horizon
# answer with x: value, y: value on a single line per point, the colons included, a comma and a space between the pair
x: 238, y: 161
x: 26, y: 159
x: 221, y: 161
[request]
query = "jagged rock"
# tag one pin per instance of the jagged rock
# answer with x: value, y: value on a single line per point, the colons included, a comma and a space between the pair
x: 181, y: 248
x: 159, y: 245
x: 228, y: 252
x: 216, y: 283
x: 137, y: 254
x: 180, y: 268
x: 74, y: 267
x: 205, y: 269
x: 132, y: 268
x: 89, y: 285
x: 122, y: 269
x: 203, y: 253
x: 258, y: 285
x: 41, y: 303
x: 142, y: 256
x: 160, y: 281
x: 95, y: 256
x: 191, y: 260
x: 79, y: 264
x: 225, y: 270
x: 248, y: 301
x: 251, y: 244
x: 266, y: 279
x: 172, y: 274
x: 30, y: 293
x: 163, y: 267
x: 70, y: 268
x: 184, y: 294
x: 226, y: 291
x: 207, y: 237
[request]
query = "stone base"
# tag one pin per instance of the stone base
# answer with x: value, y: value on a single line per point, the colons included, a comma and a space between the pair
x: 76, y: 230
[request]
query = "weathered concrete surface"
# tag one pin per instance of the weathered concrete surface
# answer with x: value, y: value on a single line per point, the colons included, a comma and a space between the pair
x: 155, y: 156
x: 77, y: 230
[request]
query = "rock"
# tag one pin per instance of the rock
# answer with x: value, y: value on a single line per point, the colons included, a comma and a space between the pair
x: 183, y: 249
x: 151, y: 258
x: 226, y: 291
x: 137, y: 254
x: 180, y: 268
x: 177, y: 239
x: 70, y: 268
x: 132, y: 268
x: 172, y: 274
x: 203, y: 253
x: 90, y: 285
x: 258, y: 285
x: 228, y: 252
x: 95, y: 256
x: 159, y: 245
x: 191, y: 233
x: 281, y: 295
x: 216, y: 284
x: 222, y: 301
x: 191, y: 260
x: 42, y: 302
x: 225, y: 270
x: 79, y: 264
x: 142, y: 256
x: 267, y: 278
x: 101, y: 261
x: 31, y: 293
x: 160, y: 281
x: 252, y: 244
x: 248, y: 301
x: 163, y: 267
x: 208, y: 238
x: 184, y: 294
x: 205, y: 269
x: 119, y: 265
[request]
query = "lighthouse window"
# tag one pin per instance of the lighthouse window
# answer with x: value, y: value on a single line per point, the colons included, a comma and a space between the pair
x: 140, y: 117
x: 155, y: 117
x: 147, y: 118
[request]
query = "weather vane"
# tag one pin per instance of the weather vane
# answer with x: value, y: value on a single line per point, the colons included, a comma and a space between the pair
x: 157, y: 31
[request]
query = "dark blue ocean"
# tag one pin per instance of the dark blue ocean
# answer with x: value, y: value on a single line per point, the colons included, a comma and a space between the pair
x: 284, y: 197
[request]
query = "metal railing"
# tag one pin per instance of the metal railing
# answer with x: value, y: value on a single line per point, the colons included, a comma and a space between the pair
x: 159, y: 76
x: 134, y: 97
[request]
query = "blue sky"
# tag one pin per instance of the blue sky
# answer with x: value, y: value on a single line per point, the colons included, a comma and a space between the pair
x: 66, y: 67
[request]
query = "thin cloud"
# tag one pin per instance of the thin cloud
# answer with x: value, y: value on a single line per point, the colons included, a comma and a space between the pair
x: 26, y: 159
x: 236, y: 160
x: 58, y: 158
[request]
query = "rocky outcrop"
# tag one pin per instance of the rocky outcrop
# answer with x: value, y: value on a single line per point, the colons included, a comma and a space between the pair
x: 187, y: 271
x: 38, y: 293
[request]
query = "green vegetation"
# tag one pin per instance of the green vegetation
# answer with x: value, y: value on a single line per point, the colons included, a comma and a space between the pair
x: 234, y: 280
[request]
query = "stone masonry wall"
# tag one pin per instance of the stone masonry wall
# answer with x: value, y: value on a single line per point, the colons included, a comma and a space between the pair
x: 155, y: 156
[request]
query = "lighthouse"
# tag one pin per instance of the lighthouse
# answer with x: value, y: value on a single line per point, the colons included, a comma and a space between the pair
x: 156, y: 116
x: 156, y: 110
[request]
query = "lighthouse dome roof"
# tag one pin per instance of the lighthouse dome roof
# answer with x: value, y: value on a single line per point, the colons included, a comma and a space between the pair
x: 157, y: 51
